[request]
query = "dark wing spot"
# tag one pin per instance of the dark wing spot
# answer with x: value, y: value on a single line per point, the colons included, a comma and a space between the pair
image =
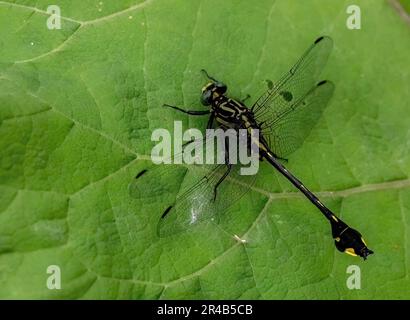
x: 318, y: 39
x: 269, y: 83
x: 287, y: 95
x: 166, y: 212
x: 140, y: 174
x: 321, y: 82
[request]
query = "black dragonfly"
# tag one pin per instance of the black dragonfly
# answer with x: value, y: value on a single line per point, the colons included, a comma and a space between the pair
x: 284, y: 116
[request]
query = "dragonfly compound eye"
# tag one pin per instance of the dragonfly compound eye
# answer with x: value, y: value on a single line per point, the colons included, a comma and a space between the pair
x: 206, y: 97
x: 221, y: 87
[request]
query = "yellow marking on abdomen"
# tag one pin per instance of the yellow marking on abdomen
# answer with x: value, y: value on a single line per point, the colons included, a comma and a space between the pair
x: 351, y: 252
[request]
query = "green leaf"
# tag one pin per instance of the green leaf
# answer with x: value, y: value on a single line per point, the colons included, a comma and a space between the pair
x: 77, y: 108
x: 405, y: 4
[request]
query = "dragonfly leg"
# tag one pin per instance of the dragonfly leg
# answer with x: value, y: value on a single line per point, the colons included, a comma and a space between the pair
x: 229, y: 167
x: 208, y: 126
x: 191, y: 112
x: 210, y: 121
x: 283, y: 159
x: 186, y: 143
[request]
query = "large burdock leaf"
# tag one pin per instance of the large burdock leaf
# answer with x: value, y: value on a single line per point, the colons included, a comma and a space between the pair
x: 77, y: 109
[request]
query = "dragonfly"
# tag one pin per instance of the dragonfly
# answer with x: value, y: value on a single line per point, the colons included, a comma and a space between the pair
x: 284, y: 115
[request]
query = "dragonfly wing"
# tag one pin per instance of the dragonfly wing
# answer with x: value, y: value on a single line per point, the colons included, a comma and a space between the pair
x: 194, y: 202
x: 201, y: 202
x: 282, y: 99
x: 193, y: 189
x: 288, y: 132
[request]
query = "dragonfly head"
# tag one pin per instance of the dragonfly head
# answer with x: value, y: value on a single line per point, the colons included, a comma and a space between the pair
x: 349, y: 240
x: 211, y: 91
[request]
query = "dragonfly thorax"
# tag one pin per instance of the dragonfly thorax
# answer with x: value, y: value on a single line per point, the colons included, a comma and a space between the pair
x: 212, y: 91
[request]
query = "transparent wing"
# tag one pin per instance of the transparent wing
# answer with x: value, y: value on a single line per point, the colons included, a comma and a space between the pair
x: 199, y: 202
x: 275, y: 106
x: 193, y: 189
x: 288, y: 132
